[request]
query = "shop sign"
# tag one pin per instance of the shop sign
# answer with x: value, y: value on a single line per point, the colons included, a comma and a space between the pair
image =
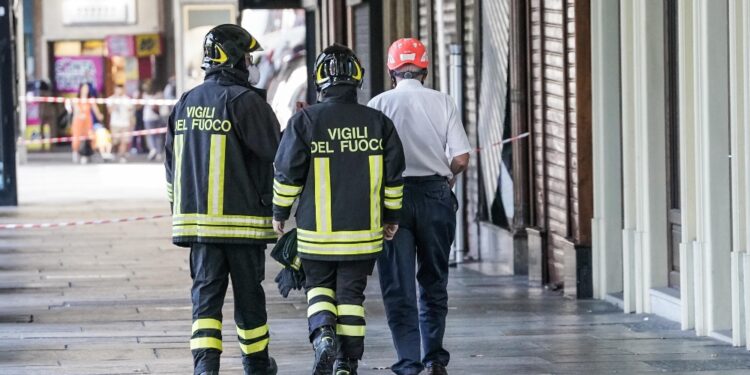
x: 147, y: 45
x: 120, y: 45
x: 98, y: 12
x: 71, y: 72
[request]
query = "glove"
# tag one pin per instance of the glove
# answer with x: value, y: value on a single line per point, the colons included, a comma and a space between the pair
x: 286, y: 282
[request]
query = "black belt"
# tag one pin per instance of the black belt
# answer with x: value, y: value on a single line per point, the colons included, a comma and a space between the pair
x: 421, y: 179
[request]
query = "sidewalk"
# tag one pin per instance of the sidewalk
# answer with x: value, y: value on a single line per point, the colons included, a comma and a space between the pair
x: 114, y: 299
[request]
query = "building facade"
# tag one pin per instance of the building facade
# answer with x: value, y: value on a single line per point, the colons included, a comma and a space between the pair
x: 671, y: 183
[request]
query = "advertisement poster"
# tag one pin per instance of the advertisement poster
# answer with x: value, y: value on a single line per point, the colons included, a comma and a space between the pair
x: 71, y: 72
x: 120, y: 45
x: 147, y: 45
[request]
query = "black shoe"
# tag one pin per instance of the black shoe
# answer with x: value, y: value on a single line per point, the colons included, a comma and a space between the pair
x: 324, y: 345
x: 272, y: 369
x: 346, y: 367
x: 436, y: 369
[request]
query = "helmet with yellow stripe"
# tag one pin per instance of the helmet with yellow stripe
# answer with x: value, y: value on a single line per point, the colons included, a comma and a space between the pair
x: 337, y: 65
x: 227, y: 46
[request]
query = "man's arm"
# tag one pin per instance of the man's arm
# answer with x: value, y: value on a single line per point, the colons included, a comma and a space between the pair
x: 458, y: 166
x: 291, y: 166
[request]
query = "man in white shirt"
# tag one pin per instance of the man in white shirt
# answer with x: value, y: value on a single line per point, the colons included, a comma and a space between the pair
x: 121, y: 121
x: 436, y: 150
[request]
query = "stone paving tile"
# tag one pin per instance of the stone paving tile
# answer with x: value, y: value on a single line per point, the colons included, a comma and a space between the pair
x: 114, y: 299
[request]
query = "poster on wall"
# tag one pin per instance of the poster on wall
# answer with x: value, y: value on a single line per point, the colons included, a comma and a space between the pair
x: 72, y: 71
x: 147, y: 45
x: 120, y: 45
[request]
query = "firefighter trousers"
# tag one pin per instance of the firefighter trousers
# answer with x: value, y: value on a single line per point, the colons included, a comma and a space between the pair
x: 335, y: 297
x: 211, y: 266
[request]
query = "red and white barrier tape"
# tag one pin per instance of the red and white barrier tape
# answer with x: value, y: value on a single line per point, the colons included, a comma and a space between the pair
x: 504, y: 141
x: 77, y: 223
x: 83, y: 137
x: 59, y: 99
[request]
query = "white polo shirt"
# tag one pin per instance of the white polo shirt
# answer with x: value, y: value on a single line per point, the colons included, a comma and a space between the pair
x: 428, y: 124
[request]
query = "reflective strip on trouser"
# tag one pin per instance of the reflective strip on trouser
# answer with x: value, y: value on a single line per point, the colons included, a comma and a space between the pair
x: 323, y: 195
x: 206, y: 334
x: 217, y: 155
x: 179, y: 143
x: 351, y: 321
x: 253, y: 340
x: 321, y: 300
x: 376, y: 182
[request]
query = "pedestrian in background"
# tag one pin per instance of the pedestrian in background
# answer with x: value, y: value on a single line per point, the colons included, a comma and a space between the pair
x: 344, y: 162
x: 85, y: 114
x: 219, y: 180
x: 152, y: 119
x: 121, y: 121
x: 436, y: 150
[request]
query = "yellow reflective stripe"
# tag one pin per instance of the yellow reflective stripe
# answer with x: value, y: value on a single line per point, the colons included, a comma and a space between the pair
x: 339, y: 249
x: 249, y: 334
x: 227, y: 232
x: 205, y: 343
x: 282, y: 201
x: 350, y: 330
x: 254, y: 347
x: 284, y: 189
x: 339, y: 236
x: 320, y: 291
x: 206, y: 323
x: 258, y: 221
x: 376, y: 180
x: 179, y: 143
x: 394, y: 191
x: 322, y: 194
x: 351, y: 310
x: 392, y: 204
x: 321, y: 306
x: 296, y: 263
x: 216, y: 174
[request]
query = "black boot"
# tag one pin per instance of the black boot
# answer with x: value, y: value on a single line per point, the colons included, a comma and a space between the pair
x: 272, y: 368
x: 346, y: 367
x: 324, y: 345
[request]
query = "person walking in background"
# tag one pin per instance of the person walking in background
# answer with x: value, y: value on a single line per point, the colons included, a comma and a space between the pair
x: 436, y: 150
x: 152, y: 119
x: 121, y: 121
x: 344, y: 162
x: 85, y: 114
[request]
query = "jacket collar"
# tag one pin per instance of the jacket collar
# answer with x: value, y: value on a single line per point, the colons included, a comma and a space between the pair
x: 409, y: 84
x: 228, y: 76
x: 339, y: 94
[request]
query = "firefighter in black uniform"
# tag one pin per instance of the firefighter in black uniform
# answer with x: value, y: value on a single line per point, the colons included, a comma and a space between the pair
x: 221, y: 142
x: 344, y: 162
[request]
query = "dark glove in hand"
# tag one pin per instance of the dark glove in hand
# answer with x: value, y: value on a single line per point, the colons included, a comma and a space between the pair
x: 285, y: 281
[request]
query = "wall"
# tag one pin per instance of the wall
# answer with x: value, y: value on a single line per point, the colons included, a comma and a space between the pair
x: 148, y: 21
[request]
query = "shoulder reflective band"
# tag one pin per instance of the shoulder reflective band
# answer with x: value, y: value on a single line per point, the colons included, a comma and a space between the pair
x: 179, y: 142
x: 376, y: 179
x: 323, y: 195
x: 216, y: 174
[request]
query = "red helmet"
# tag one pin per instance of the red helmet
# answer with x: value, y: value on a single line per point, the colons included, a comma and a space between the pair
x: 407, y: 51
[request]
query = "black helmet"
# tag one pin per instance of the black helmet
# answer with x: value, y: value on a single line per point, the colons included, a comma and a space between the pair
x: 226, y: 45
x: 337, y: 65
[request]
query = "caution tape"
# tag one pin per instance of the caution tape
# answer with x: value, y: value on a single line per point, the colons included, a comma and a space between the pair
x: 504, y: 141
x: 78, y: 223
x: 86, y: 137
x: 60, y: 99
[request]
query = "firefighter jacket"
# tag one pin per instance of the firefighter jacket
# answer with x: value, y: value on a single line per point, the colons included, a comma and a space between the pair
x: 344, y: 162
x: 221, y: 141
